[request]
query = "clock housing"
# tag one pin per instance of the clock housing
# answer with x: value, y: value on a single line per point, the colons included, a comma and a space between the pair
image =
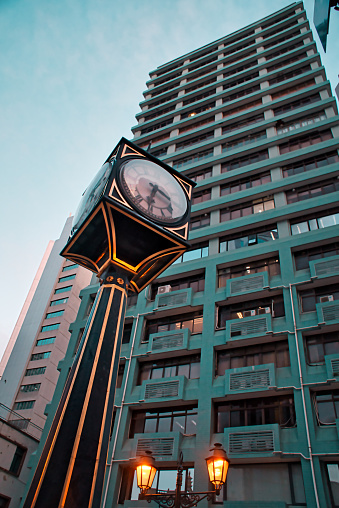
x: 134, y: 215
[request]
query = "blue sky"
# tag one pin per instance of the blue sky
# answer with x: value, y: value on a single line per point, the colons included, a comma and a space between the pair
x: 72, y: 74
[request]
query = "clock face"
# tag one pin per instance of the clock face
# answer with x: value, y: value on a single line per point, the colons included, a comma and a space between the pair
x: 91, y: 195
x: 153, y: 191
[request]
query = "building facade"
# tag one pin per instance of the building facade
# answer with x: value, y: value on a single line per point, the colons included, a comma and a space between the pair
x: 31, y: 361
x: 237, y: 342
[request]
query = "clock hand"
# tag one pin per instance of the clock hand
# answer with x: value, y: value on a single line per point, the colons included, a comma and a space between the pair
x: 160, y: 191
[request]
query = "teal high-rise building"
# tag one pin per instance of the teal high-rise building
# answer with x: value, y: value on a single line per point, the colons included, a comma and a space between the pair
x: 237, y: 342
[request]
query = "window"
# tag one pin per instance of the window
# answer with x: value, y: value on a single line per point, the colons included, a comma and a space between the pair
x: 195, y: 125
x: 196, y: 282
x: 304, y: 101
x: 159, y: 112
x: 309, y: 164
x: 244, y: 123
x: 90, y: 303
x: 191, y: 321
x: 157, y: 126
x: 126, y: 336
x: 310, y: 297
x: 333, y: 480
x: 241, y: 93
x: 43, y: 342
x: 240, y: 162
x: 315, y: 223
x: 303, y: 258
x: 26, y: 404
x: 288, y: 75
x: 183, y: 419
x: 68, y: 277
x: 270, y: 265
x: 63, y: 290
x: 199, y: 221
x: 201, y: 197
x: 132, y: 298
x: 40, y: 356
x: 198, y: 176
x: 243, y: 107
x: 77, y: 344
x: 193, y: 158
x: 288, y: 91
x: 260, y: 354
x: 197, y: 75
x: 12, y: 456
x: 202, y: 84
x: 245, y: 183
x: 265, y: 484
x: 250, y: 138
x: 197, y: 110
x: 284, y: 129
x: 297, y: 143
x: 255, y: 411
x: 201, y: 64
x: 194, y: 140
x: 50, y: 315
x: 58, y: 302
x: 241, y: 68
x: 69, y: 267
x: 4, y: 501
x: 273, y: 305
x: 327, y: 407
x: 47, y: 328
x: 286, y: 49
x: 256, y: 206
x: 120, y: 374
x: 248, y: 77
x: 197, y: 251
x: 285, y: 62
x: 257, y: 236
x: 36, y: 371
x: 35, y: 387
x: 188, y: 366
x: 278, y: 30
x: 317, y: 346
x: 198, y: 97
x: 312, y: 191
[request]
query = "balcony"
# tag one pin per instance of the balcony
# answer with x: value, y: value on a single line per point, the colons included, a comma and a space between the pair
x: 170, y: 299
x: 332, y: 366
x: 325, y: 267
x: 247, y: 327
x: 253, y: 441
x: 170, y: 340
x: 328, y: 311
x: 247, y: 284
x: 157, y: 390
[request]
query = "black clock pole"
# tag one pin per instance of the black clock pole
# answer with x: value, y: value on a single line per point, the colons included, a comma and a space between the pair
x: 71, y: 469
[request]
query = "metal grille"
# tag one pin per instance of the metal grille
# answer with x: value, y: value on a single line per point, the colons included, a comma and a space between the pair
x: 158, y: 446
x: 250, y: 327
x: 159, y: 390
x: 335, y: 367
x: 326, y: 267
x: 330, y: 312
x: 248, y: 380
x: 168, y: 341
x: 247, y: 284
x: 175, y: 299
x: 247, y: 442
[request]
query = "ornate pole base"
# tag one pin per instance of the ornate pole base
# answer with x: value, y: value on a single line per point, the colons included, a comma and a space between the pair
x: 71, y: 468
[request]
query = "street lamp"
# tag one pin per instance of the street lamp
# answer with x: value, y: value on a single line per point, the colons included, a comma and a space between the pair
x: 217, y: 467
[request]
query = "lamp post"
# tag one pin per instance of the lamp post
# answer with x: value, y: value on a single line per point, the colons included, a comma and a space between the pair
x: 217, y: 467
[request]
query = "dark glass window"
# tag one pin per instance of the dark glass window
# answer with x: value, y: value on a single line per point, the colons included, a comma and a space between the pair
x: 288, y: 75
x: 69, y: 267
x: 243, y: 123
x: 132, y: 298
x: 332, y: 476
x: 197, y: 251
x: 36, y: 371
x: 199, y: 221
x: 285, y: 62
x: 59, y: 301
x: 201, y: 196
x: 273, y: 305
x: 255, y: 411
x: 327, y: 407
x: 288, y: 91
x: 309, y: 164
x: 256, y: 206
x: 120, y: 374
x: 67, y: 277
x: 126, y: 336
x: 17, y: 460
x: 197, y: 110
x: 200, y: 175
x: 43, y: 342
x: 257, y: 236
x: 243, y: 107
x: 159, y: 112
x: 193, y: 158
x: 241, y: 93
x: 317, y: 346
x: 245, y: 183
x: 40, y: 356
x: 310, y: 297
x: 304, y: 101
x: 312, y: 190
x: 250, y: 138
x: 195, y: 125
x: 198, y: 97
x: 297, y: 143
x: 303, y: 258
x: 314, y: 222
x: 270, y: 265
x: 57, y: 313
x: 240, y: 162
x: 157, y: 126
x: 260, y: 354
x: 196, y: 282
x: 35, y: 387
x: 182, y: 419
x: 62, y: 290
x: 194, y: 140
x: 191, y: 321
x: 188, y: 366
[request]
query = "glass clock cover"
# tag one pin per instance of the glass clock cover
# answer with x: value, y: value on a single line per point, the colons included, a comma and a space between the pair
x: 91, y: 195
x: 153, y: 191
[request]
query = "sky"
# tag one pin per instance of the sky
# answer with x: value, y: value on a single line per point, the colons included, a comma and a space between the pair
x: 72, y: 73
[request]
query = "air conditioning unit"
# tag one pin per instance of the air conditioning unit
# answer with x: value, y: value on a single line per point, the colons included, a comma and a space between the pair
x: 328, y: 298
x: 264, y: 310
x: 164, y: 289
x: 249, y: 313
